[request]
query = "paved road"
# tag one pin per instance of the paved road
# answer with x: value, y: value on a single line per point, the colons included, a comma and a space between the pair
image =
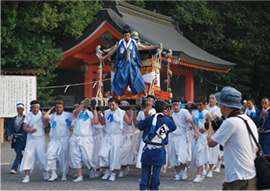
x: 12, y: 181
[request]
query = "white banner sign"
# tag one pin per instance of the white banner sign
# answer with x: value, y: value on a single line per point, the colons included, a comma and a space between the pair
x: 16, y: 89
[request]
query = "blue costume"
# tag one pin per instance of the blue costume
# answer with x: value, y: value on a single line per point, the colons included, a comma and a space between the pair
x: 254, y: 115
x: 18, y: 141
x: 264, y: 133
x: 128, y: 71
x: 154, y: 153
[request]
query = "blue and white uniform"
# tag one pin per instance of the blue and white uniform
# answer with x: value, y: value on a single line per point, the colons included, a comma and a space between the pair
x: 128, y: 71
x: 35, y: 148
x: 264, y: 133
x: 140, y: 117
x: 253, y: 113
x: 177, y: 139
x: 200, y: 154
x: 110, y: 153
x: 154, y: 154
x: 58, y: 148
x: 16, y: 127
x: 82, y: 141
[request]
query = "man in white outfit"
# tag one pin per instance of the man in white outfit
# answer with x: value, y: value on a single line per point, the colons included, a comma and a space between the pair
x: 214, y: 152
x: 177, y: 139
x: 82, y: 140
x: 58, y: 148
x: 200, y: 155
x: 35, y: 145
x: 112, y: 143
x: 127, y: 153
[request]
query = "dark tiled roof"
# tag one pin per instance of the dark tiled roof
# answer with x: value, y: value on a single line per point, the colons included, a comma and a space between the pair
x: 154, y: 28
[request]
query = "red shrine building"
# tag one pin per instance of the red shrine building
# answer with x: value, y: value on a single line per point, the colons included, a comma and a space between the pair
x: 152, y: 28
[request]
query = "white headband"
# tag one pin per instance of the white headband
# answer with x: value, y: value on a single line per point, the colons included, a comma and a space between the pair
x: 124, y: 102
x: 176, y: 103
x: 34, y: 104
x: 20, y: 105
x: 150, y: 98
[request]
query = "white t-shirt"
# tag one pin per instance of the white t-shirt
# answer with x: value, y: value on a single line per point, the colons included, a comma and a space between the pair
x: 214, y: 110
x: 61, y: 129
x: 239, y: 148
x: 83, y: 128
x: 141, y: 116
x: 35, y: 122
x: 116, y: 126
x: 181, y: 121
x: 200, y: 121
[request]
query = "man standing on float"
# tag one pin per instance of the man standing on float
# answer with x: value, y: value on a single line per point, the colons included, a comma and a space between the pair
x: 127, y: 63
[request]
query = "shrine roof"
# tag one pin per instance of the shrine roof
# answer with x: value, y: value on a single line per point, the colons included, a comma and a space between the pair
x: 153, y: 28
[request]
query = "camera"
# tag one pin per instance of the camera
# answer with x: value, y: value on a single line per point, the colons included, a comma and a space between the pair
x: 215, y: 123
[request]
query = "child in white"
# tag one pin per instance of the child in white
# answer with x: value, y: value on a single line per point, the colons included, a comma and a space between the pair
x: 112, y: 143
x: 82, y: 140
x: 35, y: 148
x: 58, y: 148
x: 177, y: 139
x: 200, y: 155
x: 127, y: 153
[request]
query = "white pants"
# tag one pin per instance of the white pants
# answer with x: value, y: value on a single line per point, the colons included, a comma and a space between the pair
x: 177, y: 149
x: 189, y: 145
x: 127, y: 153
x: 58, y: 150
x: 220, y: 153
x: 35, y: 149
x: 139, y: 164
x: 200, y: 153
x: 110, y: 153
x: 82, y: 151
x: 213, y: 154
x: 97, y: 144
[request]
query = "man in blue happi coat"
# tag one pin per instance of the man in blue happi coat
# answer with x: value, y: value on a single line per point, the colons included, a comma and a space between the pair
x: 264, y: 126
x: 252, y: 111
x: 19, y: 136
x: 156, y: 128
x: 127, y: 64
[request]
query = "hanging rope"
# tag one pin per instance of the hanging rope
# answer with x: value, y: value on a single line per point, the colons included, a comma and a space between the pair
x: 99, y: 54
x: 62, y: 86
x: 210, y: 81
x: 157, y: 61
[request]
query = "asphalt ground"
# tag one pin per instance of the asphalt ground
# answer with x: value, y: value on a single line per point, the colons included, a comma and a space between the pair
x: 130, y: 182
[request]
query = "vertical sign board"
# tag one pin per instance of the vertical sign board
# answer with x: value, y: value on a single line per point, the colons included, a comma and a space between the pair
x: 13, y: 90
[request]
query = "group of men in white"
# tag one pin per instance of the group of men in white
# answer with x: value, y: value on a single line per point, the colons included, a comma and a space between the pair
x: 106, y: 140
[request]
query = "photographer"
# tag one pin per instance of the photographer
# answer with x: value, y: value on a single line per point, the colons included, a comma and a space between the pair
x: 239, y: 148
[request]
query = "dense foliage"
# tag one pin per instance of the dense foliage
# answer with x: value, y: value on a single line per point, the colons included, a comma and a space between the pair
x: 31, y: 32
x: 236, y: 31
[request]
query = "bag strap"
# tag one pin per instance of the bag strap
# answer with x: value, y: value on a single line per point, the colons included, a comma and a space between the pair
x: 252, y: 135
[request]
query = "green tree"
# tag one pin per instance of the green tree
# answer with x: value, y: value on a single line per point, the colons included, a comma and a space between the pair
x: 231, y: 30
x: 32, y: 32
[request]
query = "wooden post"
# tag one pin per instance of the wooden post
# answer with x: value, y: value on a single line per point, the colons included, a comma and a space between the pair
x: 190, y: 86
x: 88, y: 88
x: 2, y: 130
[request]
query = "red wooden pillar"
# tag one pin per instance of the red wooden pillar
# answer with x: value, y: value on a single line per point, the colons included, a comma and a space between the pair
x: 88, y: 87
x: 190, y: 86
